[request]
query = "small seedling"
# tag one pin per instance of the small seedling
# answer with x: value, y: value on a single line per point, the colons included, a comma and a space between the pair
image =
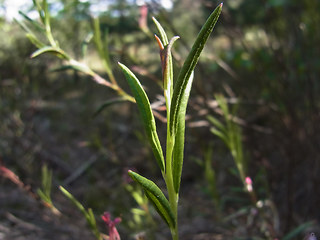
x: 230, y: 133
x: 45, y: 191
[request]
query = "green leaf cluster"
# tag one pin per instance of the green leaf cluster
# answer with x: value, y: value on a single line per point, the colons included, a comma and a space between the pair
x: 177, y: 96
x: 45, y: 191
x: 230, y: 133
x: 47, y: 44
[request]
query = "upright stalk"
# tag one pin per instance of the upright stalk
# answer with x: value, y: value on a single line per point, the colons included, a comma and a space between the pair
x: 173, y: 196
x: 166, y: 60
x: 176, y: 96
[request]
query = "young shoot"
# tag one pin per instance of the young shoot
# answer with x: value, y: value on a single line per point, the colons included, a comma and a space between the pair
x: 176, y: 95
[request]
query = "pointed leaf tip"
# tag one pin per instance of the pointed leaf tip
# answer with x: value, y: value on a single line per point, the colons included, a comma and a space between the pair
x: 163, y: 35
x: 183, y: 84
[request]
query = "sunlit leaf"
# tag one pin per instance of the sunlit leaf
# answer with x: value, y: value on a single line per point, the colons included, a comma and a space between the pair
x: 74, y: 201
x: 48, y: 49
x: 157, y: 197
x: 163, y: 35
x: 146, y: 114
x: 34, y: 40
x: 85, y: 43
x: 36, y: 3
x: 182, y: 87
x: 102, y: 51
x: 33, y: 22
x: 167, y: 66
x: 178, y: 152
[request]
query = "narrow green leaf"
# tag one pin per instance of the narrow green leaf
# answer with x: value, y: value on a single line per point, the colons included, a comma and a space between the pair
x: 49, y: 49
x: 183, y: 86
x: 166, y: 59
x: 46, y: 180
x: 74, y: 201
x: 222, y: 102
x: 97, y: 36
x: 146, y: 114
x: 163, y: 35
x: 39, y: 9
x: 157, y: 197
x: 178, y: 152
x: 91, y: 217
x: 220, y: 135
x: 74, y: 65
x: 210, y: 175
x: 23, y: 26
x: 30, y: 35
x: 88, y: 214
x: 217, y: 124
x: 82, y: 67
x: 178, y: 149
x: 102, y: 51
x: 93, y: 224
x: 34, y: 40
x: 107, y: 104
x: 43, y: 196
x: 167, y: 65
x: 34, y: 23
x: 85, y: 43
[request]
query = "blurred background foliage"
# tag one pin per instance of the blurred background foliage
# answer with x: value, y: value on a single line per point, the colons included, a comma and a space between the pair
x: 263, y: 57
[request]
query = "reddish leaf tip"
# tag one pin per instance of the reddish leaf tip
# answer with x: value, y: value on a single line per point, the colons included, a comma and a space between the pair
x: 159, y: 42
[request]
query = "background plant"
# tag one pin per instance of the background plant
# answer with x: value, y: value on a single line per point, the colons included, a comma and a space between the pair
x: 142, y: 215
x: 45, y: 191
x: 230, y: 134
x: 52, y: 46
x: 87, y: 213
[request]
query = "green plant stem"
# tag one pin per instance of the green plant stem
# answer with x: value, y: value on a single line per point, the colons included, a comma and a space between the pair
x: 47, y: 24
x: 173, y: 196
x: 98, y: 79
x: 49, y: 36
